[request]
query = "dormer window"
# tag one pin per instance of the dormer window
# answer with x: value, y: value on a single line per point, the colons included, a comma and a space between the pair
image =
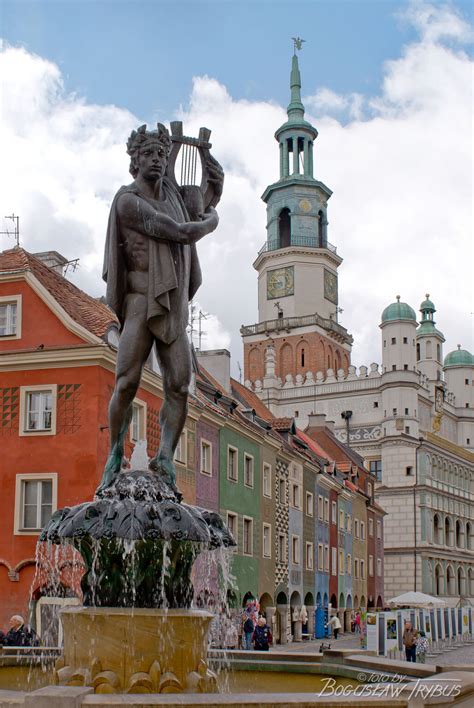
x: 10, y: 317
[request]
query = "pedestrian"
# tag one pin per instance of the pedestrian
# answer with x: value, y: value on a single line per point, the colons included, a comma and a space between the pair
x: 248, y: 628
x: 262, y: 636
x: 422, y: 646
x: 409, y: 642
x: 357, y: 623
x: 335, y: 624
x: 20, y: 634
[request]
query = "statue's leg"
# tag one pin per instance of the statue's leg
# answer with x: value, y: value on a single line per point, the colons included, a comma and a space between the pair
x: 175, y: 365
x: 134, y: 347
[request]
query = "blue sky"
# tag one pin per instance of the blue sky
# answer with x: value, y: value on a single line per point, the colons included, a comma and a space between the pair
x: 142, y: 55
x: 387, y: 84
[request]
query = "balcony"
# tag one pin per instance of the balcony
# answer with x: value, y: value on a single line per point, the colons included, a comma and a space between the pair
x: 300, y: 241
x: 289, y: 323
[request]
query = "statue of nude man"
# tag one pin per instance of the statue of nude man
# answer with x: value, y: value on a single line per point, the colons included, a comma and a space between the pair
x: 152, y: 271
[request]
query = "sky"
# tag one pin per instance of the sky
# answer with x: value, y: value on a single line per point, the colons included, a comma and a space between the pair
x: 387, y: 84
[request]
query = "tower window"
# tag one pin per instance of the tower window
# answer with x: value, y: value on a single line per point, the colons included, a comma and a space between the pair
x: 302, y: 357
x: 376, y: 404
x: 284, y: 228
x: 418, y: 354
x: 385, y: 342
x: 406, y: 411
x: 466, y: 381
x: 409, y: 471
x: 394, y: 340
x: 394, y: 367
x: 438, y: 352
x: 468, y: 441
x: 405, y: 340
x: 407, y: 429
x: 394, y: 411
x: 320, y: 229
x: 405, y: 367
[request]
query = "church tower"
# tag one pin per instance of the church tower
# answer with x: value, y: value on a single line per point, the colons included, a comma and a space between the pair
x: 297, y: 333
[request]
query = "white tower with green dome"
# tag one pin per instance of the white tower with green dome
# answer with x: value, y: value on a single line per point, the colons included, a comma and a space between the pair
x: 459, y: 377
x: 429, y: 344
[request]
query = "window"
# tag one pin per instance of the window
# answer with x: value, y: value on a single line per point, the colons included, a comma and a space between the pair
x: 362, y: 569
x: 371, y: 527
x: 295, y: 549
x: 248, y: 537
x: 356, y: 528
x: 406, y: 411
x: 341, y: 520
x: 349, y: 523
x: 379, y: 529
x: 206, y: 457
x: 333, y: 561
x: 248, y: 470
x: 375, y: 468
x: 349, y: 564
x: 356, y: 568
x: 394, y: 411
x: 376, y: 404
x: 326, y: 559
x: 232, y: 524
x: 232, y: 460
x: 370, y: 489
x: 409, y: 471
x: 362, y: 530
x: 394, y: 340
x: 405, y: 367
x: 267, y: 540
x: 180, y: 452
x: 405, y: 340
x: 341, y: 562
x: 282, y: 490
x: 334, y: 512
x: 282, y: 548
x: 10, y: 317
x: 320, y: 508
x: 394, y: 367
x: 309, y: 504
x: 38, y: 410
x: 295, y: 496
x: 371, y: 565
x: 35, y: 501
x: 309, y: 555
x: 407, y: 429
x: 326, y: 510
x: 267, y: 480
x: 466, y: 381
x: 379, y: 567
x: 320, y: 557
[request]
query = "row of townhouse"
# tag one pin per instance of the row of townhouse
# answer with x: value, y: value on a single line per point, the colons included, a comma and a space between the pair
x: 299, y: 504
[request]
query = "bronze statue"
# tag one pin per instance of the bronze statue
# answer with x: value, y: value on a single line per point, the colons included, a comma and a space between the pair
x: 152, y: 271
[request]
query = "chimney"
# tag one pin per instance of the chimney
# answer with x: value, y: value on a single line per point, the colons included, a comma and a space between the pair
x: 217, y: 363
x: 53, y: 260
x: 316, y: 420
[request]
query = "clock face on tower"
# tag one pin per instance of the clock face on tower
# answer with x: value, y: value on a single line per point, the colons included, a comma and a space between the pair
x: 280, y: 282
x: 330, y: 286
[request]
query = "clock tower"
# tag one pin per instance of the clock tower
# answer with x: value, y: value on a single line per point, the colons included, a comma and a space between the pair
x: 297, y: 324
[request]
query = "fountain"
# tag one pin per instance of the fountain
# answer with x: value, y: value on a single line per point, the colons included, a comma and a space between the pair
x: 136, y: 631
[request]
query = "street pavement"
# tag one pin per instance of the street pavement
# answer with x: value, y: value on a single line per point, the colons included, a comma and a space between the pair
x: 462, y: 655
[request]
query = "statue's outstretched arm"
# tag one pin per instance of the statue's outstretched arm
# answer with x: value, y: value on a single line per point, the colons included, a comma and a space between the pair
x: 137, y: 214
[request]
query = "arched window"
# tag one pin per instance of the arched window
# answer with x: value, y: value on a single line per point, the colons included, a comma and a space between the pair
x: 321, y: 239
x: 448, y: 532
x: 461, y: 581
x: 437, y: 530
x: 469, y: 536
x: 284, y: 229
x: 428, y: 349
x: 471, y: 581
x: 418, y: 353
x: 286, y: 360
x: 438, y: 352
x: 450, y: 580
x: 439, y: 580
x: 459, y: 534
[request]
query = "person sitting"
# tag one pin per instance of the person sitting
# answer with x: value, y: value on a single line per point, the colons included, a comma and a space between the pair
x: 20, y: 634
x: 262, y: 636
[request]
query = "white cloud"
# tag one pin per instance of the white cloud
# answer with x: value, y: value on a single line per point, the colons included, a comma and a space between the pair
x: 399, y: 163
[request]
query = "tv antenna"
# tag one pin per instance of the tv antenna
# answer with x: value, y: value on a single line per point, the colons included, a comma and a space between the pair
x: 16, y: 229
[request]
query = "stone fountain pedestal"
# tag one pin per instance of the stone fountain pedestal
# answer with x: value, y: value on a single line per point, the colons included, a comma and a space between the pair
x: 130, y: 650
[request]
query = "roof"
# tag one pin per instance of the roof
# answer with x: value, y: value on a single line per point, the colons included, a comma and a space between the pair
x: 398, y: 311
x: 333, y: 448
x: 250, y: 400
x: 459, y: 357
x: 89, y: 312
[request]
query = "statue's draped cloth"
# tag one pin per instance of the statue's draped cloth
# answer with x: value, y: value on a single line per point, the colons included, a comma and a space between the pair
x: 174, y: 274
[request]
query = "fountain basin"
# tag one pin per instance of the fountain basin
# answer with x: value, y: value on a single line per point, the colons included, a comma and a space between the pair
x: 139, y: 650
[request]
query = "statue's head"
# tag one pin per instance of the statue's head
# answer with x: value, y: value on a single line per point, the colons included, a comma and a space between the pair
x: 142, y: 137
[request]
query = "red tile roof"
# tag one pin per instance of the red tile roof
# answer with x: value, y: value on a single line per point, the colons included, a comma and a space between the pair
x: 334, y: 449
x: 88, y: 312
x: 282, y: 424
x: 251, y: 400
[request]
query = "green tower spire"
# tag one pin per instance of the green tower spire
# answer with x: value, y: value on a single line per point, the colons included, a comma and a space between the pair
x: 295, y: 108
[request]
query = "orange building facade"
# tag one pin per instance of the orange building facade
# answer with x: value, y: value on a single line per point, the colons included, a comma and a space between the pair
x: 56, y: 378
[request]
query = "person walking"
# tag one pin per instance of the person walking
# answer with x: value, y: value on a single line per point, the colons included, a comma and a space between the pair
x: 422, y: 646
x: 248, y: 628
x: 357, y: 623
x: 409, y: 642
x: 335, y: 624
x: 262, y: 636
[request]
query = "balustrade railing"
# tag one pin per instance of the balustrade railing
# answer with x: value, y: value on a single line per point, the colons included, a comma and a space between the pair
x: 302, y: 241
